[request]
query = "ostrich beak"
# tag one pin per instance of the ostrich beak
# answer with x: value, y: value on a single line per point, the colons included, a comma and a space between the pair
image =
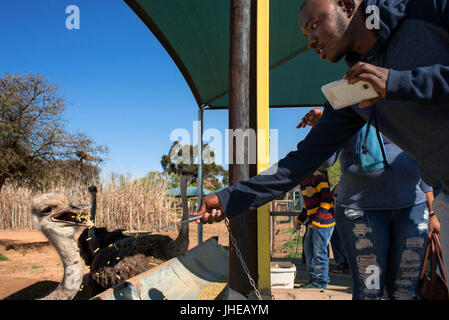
x: 74, y: 215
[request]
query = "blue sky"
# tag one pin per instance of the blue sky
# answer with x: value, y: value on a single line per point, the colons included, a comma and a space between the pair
x: 122, y: 88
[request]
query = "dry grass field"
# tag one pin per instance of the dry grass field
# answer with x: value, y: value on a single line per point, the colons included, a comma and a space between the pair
x: 136, y: 205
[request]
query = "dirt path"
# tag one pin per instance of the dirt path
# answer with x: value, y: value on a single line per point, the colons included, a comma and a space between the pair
x: 32, y: 262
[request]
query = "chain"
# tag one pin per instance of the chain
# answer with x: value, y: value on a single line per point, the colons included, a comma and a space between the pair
x: 297, y: 245
x: 245, y: 268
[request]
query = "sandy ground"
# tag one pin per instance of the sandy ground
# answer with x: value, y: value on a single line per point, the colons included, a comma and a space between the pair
x: 34, y: 268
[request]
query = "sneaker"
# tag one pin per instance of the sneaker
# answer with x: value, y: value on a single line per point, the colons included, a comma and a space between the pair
x: 312, y: 285
x: 322, y: 287
x: 309, y: 285
x: 341, y: 268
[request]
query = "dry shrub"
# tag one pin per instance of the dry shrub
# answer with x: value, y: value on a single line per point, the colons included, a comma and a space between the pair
x: 137, y: 205
x: 14, y: 208
x: 125, y: 204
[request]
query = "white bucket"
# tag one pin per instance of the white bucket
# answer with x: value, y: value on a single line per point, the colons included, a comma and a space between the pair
x: 283, y: 275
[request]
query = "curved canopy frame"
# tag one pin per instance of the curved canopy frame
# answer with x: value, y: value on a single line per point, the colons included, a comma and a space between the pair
x: 195, y: 33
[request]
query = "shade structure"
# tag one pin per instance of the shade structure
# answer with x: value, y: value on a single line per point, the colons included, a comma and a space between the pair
x: 195, y: 34
x: 191, y: 192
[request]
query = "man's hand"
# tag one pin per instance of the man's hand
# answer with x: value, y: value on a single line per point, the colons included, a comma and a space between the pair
x: 434, y: 225
x: 212, y: 210
x: 376, y: 76
x: 296, y: 225
x: 311, y: 118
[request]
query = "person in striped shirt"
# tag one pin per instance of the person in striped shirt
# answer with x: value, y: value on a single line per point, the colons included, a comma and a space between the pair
x: 318, y: 214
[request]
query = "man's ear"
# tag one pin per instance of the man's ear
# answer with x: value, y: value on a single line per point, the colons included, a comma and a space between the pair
x: 347, y: 6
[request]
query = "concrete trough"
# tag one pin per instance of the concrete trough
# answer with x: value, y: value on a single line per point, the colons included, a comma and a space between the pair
x: 202, y: 272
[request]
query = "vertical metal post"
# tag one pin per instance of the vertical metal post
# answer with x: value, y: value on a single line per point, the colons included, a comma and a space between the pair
x: 200, y: 168
x: 243, y: 227
x: 263, y: 141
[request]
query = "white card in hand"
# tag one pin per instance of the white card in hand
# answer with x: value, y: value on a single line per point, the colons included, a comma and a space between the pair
x: 340, y: 94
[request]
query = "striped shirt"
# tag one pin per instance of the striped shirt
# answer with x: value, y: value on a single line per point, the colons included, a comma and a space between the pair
x: 318, y: 202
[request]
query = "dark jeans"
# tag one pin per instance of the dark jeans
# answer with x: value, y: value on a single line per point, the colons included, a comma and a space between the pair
x: 337, y: 248
x: 384, y: 249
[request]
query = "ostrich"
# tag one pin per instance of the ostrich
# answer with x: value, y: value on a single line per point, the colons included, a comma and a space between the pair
x: 59, y: 221
x: 93, y: 238
x: 114, y: 261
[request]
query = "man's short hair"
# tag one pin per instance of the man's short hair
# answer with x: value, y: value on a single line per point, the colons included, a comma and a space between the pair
x: 302, y: 6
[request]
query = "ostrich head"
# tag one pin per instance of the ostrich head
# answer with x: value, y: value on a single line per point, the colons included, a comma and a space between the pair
x: 53, y: 214
x: 59, y: 221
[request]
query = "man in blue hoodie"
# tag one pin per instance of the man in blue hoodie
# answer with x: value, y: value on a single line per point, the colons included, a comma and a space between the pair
x: 406, y: 60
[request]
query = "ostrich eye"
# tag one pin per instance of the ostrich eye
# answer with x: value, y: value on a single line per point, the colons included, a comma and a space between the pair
x: 46, y: 210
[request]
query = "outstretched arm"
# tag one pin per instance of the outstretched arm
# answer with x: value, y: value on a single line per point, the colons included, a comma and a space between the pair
x: 329, y: 134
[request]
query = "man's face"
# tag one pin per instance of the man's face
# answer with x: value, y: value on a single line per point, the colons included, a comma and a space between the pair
x: 324, y: 23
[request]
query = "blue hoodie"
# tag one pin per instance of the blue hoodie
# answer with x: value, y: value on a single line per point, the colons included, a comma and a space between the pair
x: 382, y: 189
x: 414, y: 44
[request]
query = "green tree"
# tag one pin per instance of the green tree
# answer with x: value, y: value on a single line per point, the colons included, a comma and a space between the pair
x: 186, y: 157
x: 33, y: 138
x: 334, y: 173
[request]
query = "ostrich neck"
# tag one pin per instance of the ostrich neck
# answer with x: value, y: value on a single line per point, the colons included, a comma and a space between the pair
x: 93, y: 243
x: 185, y: 208
x: 73, y: 268
x: 182, y: 241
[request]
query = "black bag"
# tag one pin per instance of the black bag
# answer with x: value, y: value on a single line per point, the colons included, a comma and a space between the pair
x: 433, y: 286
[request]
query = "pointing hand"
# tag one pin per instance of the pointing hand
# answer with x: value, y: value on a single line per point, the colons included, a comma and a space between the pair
x: 311, y: 118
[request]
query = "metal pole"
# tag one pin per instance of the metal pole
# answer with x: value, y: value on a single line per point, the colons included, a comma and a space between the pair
x: 200, y: 169
x: 263, y: 141
x: 243, y: 227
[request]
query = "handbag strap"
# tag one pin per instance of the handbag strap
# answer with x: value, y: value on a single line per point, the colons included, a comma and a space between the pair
x: 438, y: 255
x: 426, y: 257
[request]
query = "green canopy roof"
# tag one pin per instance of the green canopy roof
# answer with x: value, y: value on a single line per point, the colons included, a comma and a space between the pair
x: 195, y: 33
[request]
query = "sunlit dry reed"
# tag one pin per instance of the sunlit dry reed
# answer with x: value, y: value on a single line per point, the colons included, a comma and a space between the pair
x: 130, y: 205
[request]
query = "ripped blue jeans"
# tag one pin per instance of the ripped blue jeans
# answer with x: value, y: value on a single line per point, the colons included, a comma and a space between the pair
x: 384, y: 249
